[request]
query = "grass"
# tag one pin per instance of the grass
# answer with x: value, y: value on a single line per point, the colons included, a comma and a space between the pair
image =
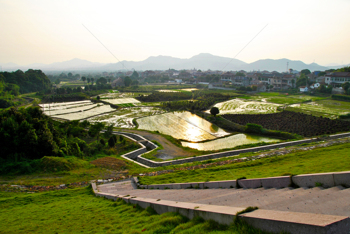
x: 282, y: 98
x: 329, y: 159
x: 79, y: 211
x: 326, y: 108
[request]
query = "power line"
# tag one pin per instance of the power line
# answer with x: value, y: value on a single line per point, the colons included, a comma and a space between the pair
x: 104, y: 45
x: 245, y: 46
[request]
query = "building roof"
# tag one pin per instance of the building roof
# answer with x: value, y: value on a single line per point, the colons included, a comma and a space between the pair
x: 339, y: 74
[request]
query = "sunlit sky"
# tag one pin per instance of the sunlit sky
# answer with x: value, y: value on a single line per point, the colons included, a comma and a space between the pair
x: 42, y: 31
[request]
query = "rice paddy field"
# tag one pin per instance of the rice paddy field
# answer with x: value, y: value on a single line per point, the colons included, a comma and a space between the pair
x: 69, y: 109
x: 229, y: 142
x: 75, y: 110
x: 326, y: 108
x: 182, y: 125
x: 100, y: 109
x: 122, y: 101
x: 282, y: 98
x: 123, y: 118
x: 239, y: 106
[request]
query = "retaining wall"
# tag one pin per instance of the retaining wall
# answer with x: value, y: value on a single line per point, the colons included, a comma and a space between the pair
x: 325, y: 180
x: 267, y: 220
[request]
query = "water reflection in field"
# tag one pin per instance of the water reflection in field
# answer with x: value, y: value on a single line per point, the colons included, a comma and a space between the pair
x: 229, y: 142
x: 182, y: 125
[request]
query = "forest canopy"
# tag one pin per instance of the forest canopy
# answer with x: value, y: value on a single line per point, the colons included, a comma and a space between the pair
x: 29, y: 81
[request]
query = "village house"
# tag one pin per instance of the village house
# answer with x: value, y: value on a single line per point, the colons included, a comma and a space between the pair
x: 303, y: 89
x: 337, y: 78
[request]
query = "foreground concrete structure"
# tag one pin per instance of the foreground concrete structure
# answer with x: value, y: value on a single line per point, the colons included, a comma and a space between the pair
x: 281, y: 208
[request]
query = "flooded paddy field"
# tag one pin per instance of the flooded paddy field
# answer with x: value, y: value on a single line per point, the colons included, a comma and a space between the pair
x: 99, y: 109
x: 239, y: 106
x: 229, y: 142
x: 117, y: 101
x: 63, y: 105
x: 182, y: 125
x: 123, y: 118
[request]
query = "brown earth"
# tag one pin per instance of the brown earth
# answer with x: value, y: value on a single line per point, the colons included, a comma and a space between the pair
x: 109, y: 163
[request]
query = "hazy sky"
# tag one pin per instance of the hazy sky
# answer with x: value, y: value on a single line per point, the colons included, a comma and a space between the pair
x: 42, y: 31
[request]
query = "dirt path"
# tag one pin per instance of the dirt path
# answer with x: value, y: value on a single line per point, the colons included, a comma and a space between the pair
x: 170, y: 150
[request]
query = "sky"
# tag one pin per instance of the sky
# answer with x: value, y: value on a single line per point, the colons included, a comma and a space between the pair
x: 41, y: 31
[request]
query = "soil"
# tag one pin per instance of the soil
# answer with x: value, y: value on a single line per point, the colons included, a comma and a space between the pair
x: 170, y: 149
x: 109, y: 163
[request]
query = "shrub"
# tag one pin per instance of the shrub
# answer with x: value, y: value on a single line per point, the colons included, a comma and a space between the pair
x: 111, y: 141
x: 253, y: 128
x: 214, y: 111
x: 53, y: 164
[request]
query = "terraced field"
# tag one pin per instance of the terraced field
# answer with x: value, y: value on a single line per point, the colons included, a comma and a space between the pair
x: 326, y: 108
x: 280, y: 98
x: 100, y: 109
x: 240, y: 106
x: 122, y: 101
x: 123, y: 118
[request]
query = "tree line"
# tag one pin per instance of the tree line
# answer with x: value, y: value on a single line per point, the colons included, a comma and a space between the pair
x: 28, y: 134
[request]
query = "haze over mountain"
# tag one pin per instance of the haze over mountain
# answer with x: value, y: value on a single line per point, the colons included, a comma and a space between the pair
x: 202, y: 61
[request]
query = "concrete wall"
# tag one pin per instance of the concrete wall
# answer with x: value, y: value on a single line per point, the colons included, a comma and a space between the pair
x: 267, y: 220
x: 325, y: 180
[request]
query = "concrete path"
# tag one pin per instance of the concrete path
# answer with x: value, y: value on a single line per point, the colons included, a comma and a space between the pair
x: 330, y: 201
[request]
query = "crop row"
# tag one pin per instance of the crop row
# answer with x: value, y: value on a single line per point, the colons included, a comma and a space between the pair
x: 293, y: 122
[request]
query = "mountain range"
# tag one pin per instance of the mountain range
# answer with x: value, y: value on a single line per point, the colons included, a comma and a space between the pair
x: 203, y: 61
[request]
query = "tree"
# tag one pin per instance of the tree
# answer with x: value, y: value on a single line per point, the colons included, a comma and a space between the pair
x: 112, y: 141
x: 302, y: 80
x: 95, y: 130
x: 83, y: 79
x: 70, y: 75
x: 214, y: 111
x: 109, y: 131
x: 92, y: 81
x: 101, y: 80
x: 344, y: 69
x: 239, y: 74
x: 346, y: 86
x: 127, y: 81
x: 88, y: 80
x: 57, y: 81
x: 135, y: 82
x: 305, y: 72
x: 135, y: 75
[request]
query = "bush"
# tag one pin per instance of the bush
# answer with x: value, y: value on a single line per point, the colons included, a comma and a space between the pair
x: 112, y: 140
x: 53, y: 164
x: 346, y: 116
x: 214, y: 111
x: 253, y: 128
x: 340, y: 97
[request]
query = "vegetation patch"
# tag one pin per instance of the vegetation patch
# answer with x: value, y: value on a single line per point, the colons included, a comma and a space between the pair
x: 293, y: 122
x: 53, y: 164
x: 78, y: 210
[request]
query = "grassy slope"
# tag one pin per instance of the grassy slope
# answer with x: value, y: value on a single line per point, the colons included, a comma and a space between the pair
x: 334, y: 158
x: 77, y: 210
